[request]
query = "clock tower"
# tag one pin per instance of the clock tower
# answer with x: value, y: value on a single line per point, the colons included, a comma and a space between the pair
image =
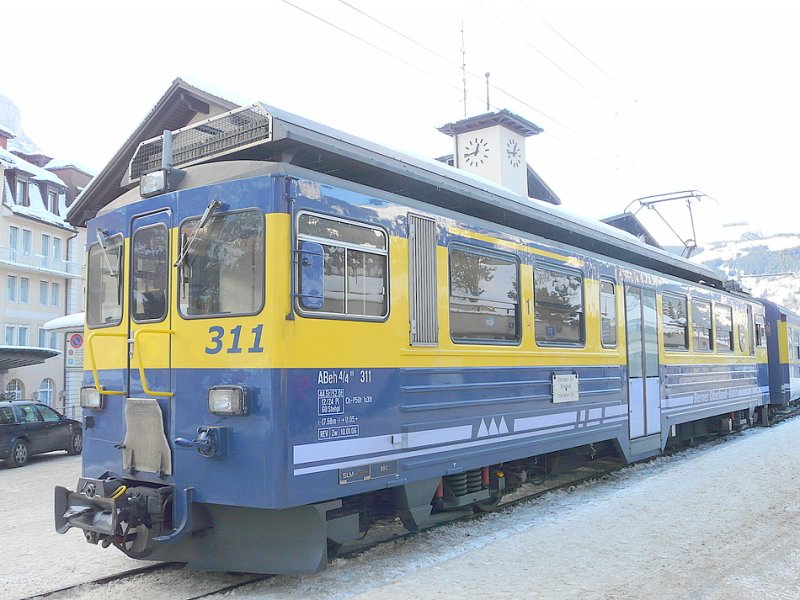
x: 492, y: 145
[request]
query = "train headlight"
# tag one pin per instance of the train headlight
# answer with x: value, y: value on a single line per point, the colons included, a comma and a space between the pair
x: 158, y: 182
x: 227, y: 400
x: 91, y: 397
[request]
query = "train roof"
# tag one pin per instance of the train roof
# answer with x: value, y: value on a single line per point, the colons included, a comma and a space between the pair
x: 263, y: 132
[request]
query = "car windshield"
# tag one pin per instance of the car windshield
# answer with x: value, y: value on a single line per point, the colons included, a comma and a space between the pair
x: 6, y: 415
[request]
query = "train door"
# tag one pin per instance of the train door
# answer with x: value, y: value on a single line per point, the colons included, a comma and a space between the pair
x: 644, y: 401
x: 149, y: 406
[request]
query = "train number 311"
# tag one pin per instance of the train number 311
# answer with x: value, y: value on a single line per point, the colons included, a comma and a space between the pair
x: 231, y: 341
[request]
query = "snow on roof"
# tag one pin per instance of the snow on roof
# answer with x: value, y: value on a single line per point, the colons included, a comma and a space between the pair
x: 37, y: 209
x: 73, y: 321
x: 38, y: 173
x: 57, y: 163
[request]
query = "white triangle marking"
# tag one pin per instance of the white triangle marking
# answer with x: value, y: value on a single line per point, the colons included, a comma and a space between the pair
x: 503, y: 427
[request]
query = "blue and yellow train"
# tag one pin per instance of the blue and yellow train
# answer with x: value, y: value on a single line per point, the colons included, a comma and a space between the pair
x: 292, y: 332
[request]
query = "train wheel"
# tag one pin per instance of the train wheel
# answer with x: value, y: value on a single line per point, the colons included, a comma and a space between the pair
x: 135, y: 542
x: 490, y: 505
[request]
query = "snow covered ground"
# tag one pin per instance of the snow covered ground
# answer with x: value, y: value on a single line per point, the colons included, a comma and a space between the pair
x: 720, y: 522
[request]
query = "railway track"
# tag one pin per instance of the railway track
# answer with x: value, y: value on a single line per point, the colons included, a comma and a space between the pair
x: 393, y: 532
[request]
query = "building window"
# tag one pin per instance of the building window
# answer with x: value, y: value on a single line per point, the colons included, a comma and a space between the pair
x: 24, y: 289
x: 53, y: 340
x: 608, y: 314
x: 484, y: 304
x: 52, y: 202
x: 46, y: 390
x: 11, y: 288
x: 54, y: 293
x: 45, y: 253
x: 43, y: 288
x: 11, y: 334
x: 15, y: 390
x: 57, y: 249
x: 558, y: 306
x: 22, y: 335
x: 22, y: 193
x: 723, y: 325
x: 42, y: 338
x: 701, y: 326
x: 13, y: 241
x: 26, y: 241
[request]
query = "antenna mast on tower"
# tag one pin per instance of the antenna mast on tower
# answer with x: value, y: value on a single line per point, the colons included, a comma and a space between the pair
x: 464, y: 67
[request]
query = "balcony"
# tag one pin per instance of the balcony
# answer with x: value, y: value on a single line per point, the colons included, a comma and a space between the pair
x: 25, y: 261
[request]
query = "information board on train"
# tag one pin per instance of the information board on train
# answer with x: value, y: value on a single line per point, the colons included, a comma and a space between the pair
x: 565, y: 387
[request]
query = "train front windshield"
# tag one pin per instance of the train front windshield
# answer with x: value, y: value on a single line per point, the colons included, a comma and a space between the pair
x: 223, y: 269
x: 104, y: 286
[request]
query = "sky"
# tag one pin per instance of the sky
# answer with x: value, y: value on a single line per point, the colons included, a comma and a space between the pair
x: 636, y: 98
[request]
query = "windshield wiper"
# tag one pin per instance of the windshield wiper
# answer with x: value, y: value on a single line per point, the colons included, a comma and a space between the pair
x: 212, y: 206
x: 105, y: 241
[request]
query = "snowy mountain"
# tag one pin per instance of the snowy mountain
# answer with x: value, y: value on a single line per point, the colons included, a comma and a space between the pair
x: 10, y: 120
x: 767, y: 267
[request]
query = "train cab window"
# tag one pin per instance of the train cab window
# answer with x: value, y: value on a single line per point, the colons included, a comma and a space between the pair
x: 674, y: 322
x: 608, y: 314
x: 104, y: 272
x: 484, y: 302
x: 355, y: 267
x: 761, y: 331
x: 723, y: 327
x: 149, y: 274
x: 222, y: 272
x: 701, y: 325
x: 558, y: 306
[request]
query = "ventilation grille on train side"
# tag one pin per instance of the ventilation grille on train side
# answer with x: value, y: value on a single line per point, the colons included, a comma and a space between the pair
x: 422, y: 280
x: 213, y: 137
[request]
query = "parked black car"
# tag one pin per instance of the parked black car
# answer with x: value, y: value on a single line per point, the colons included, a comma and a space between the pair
x: 28, y: 428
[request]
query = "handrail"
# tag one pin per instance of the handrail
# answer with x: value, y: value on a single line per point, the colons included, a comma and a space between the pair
x: 137, y: 357
x: 93, y: 363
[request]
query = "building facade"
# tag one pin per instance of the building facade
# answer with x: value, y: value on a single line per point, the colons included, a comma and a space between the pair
x: 41, y: 264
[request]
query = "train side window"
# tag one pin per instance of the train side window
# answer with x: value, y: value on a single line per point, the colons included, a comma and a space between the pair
x: 222, y: 273
x: 608, y: 314
x: 761, y: 331
x: 104, y: 272
x: 558, y: 306
x: 723, y: 327
x: 355, y: 267
x: 149, y: 274
x: 701, y: 325
x: 484, y: 301
x: 674, y: 322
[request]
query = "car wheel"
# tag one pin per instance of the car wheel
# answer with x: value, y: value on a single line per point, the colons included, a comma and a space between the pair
x: 19, y: 454
x: 75, y: 444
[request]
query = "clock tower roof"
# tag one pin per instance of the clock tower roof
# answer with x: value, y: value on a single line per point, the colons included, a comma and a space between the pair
x: 503, y: 117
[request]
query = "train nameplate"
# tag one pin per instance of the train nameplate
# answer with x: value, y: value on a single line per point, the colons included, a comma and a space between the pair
x: 367, y: 472
x: 565, y: 387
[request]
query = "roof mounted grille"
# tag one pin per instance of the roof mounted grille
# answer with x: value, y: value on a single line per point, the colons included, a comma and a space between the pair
x: 220, y: 135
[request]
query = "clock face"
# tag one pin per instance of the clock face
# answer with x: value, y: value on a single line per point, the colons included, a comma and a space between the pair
x: 476, y: 152
x: 513, y: 153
